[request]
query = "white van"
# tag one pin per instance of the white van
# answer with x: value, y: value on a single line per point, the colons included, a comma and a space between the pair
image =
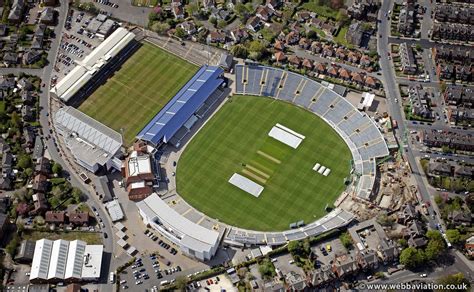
x: 165, y: 282
x: 112, y: 278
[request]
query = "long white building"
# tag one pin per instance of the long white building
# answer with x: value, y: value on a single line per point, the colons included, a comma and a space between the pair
x: 194, y: 240
x: 67, y: 87
x: 59, y: 260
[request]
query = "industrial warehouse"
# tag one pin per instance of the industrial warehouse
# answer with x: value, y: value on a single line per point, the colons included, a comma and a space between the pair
x: 62, y: 260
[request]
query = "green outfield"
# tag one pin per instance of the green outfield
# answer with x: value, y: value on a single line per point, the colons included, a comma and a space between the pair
x: 236, y: 140
x: 138, y: 90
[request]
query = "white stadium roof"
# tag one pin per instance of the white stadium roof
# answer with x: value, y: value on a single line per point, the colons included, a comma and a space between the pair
x: 84, y: 71
x: 195, y: 236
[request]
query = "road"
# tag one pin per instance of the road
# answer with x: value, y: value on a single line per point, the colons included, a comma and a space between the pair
x: 392, y: 93
x: 404, y: 276
x: 394, y: 108
x: 424, y: 42
x: 45, y: 75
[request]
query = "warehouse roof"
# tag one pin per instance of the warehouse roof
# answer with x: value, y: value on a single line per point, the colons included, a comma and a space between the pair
x: 92, y: 261
x: 183, y: 105
x: 61, y: 259
x: 115, y: 210
x: 84, y: 71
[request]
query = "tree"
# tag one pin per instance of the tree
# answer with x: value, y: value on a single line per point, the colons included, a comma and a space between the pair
x: 13, y: 244
x: 434, y: 249
x: 342, y: 17
x: 436, y: 245
x: 28, y: 172
x: 266, y: 269
x: 453, y: 235
x: 455, y: 279
x: 157, y: 14
x: 192, y: 8
x: 76, y: 194
x: 239, y: 51
x: 380, y: 275
x: 180, y: 32
x: 411, y: 257
x: 24, y: 161
x: 434, y: 235
x: 294, y: 247
x: 346, y: 240
x: 57, y: 168
x: 181, y: 282
x: 213, y: 21
x: 403, y: 242
x: 311, y: 34
x: 221, y: 24
x: 384, y: 220
x: 160, y: 27
x: 241, y: 10
x: 257, y: 49
x: 15, y: 120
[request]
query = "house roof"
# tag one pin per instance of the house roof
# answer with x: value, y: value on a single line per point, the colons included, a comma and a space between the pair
x: 279, y: 45
x: 55, y: 216
x: 307, y: 63
x: 294, y: 60
x: 79, y: 217
x: 280, y: 56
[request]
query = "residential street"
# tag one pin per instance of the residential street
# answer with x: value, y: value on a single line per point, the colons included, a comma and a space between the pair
x: 392, y: 93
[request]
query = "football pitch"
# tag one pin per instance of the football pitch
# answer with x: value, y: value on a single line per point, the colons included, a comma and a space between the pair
x: 138, y: 90
x: 236, y: 140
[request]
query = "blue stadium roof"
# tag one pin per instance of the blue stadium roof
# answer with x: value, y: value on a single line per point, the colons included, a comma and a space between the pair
x: 183, y: 105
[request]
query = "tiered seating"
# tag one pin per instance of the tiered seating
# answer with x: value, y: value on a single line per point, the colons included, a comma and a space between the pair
x: 290, y: 85
x: 272, y: 82
x: 358, y: 130
x: 308, y: 92
x: 335, y: 219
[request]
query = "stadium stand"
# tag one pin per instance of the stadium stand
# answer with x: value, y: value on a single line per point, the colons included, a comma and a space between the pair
x: 183, y: 107
x: 86, y: 69
x: 359, y: 131
x: 335, y: 219
x: 194, y: 240
x: 92, y: 144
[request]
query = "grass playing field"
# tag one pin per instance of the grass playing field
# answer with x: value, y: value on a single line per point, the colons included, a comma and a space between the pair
x: 236, y: 140
x: 138, y: 90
